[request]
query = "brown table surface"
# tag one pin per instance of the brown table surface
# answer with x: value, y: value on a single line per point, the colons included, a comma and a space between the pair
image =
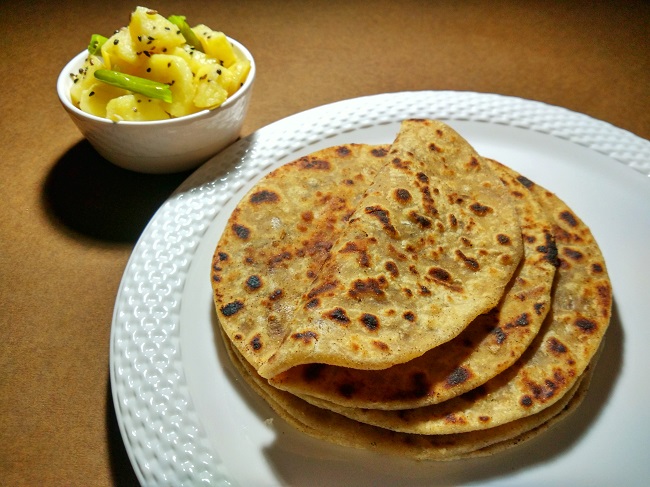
x: 71, y: 219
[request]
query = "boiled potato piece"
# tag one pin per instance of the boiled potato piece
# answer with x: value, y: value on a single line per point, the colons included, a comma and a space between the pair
x: 195, y: 59
x: 215, y: 44
x: 174, y: 71
x: 239, y: 70
x: 119, y: 51
x: 152, y: 33
x: 94, y: 99
x: 85, y: 78
x: 211, y: 91
x: 135, y: 108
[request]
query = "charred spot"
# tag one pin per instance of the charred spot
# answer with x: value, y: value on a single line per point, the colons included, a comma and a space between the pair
x: 384, y: 218
x: 452, y: 418
x: 328, y: 286
x: 434, y: 148
x: 572, y: 254
x: 423, y: 178
x: 277, y: 259
x: 479, y: 210
x: 364, y: 258
x: 343, y: 151
x: 241, y: 231
x: 253, y: 283
x: 605, y: 293
x: 422, y: 221
x: 484, y: 419
x: 425, y: 291
x: 231, y: 308
x: 524, y: 181
x: 596, y: 268
x: 256, y: 342
x: 522, y: 320
x: 458, y: 376
x: 238, y: 336
x: 380, y: 345
x: 347, y: 390
x: 370, y: 321
x: 391, y: 267
x: 402, y: 195
x: 470, y: 263
x: 473, y: 163
x: 216, y: 278
x: 439, y: 274
x: 556, y: 346
x: 305, y: 336
x: 370, y: 286
x: 503, y: 239
x: 569, y: 217
x: 311, y: 372
x: 276, y: 294
x: 408, y: 292
x: 222, y: 256
x: 307, y: 216
x: 264, y: 196
x: 549, y: 250
x: 586, y: 325
x: 381, y: 152
x: 338, y: 314
x: 539, y: 307
x: 399, y: 163
x: 312, y: 303
x: 409, y: 316
x: 314, y: 163
x: 526, y: 401
x: 428, y: 203
x: 452, y: 220
x: 500, y: 335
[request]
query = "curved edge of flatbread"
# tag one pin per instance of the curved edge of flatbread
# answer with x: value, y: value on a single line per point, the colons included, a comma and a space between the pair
x: 329, y: 426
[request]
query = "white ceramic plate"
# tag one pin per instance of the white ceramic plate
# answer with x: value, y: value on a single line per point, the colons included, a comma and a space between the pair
x: 187, y: 418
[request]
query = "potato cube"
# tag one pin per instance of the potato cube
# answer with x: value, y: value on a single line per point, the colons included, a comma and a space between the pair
x: 216, y: 45
x: 133, y: 107
x: 152, y: 33
x: 94, y: 99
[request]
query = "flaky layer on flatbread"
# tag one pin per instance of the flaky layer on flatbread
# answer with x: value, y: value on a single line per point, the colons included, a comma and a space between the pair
x: 550, y: 366
x: 432, y: 244
x: 329, y: 426
x: 489, y: 345
x: 278, y: 238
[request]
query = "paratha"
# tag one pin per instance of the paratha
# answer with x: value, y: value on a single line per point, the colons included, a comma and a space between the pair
x: 489, y: 345
x: 569, y: 338
x: 332, y: 427
x: 277, y: 238
x: 421, y: 257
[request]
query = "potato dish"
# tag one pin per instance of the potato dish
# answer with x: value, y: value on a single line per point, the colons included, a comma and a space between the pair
x: 157, y: 68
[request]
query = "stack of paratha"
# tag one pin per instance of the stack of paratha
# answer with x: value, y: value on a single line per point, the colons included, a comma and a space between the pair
x: 415, y: 298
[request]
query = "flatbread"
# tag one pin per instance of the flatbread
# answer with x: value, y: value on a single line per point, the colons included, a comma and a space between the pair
x: 277, y: 239
x: 329, y: 426
x: 489, y: 345
x: 569, y: 338
x: 422, y: 256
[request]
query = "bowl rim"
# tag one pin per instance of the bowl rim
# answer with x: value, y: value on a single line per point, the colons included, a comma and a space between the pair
x: 63, y: 91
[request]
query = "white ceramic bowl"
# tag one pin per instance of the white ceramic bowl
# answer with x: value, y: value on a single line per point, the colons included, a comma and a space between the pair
x: 162, y: 146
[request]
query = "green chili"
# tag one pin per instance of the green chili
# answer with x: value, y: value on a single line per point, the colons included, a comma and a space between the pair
x: 143, y: 86
x: 96, y: 43
x: 190, y: 37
